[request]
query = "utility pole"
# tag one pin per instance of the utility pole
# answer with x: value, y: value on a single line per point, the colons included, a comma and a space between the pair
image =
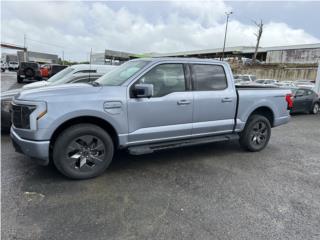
x: 25, y: 48
x: 225, y: 33
x: 62, y: 57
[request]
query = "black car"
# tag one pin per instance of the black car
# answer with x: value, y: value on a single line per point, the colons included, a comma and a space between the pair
x: 28, y: 70
x: 55, y: 68
x: 305, y: 100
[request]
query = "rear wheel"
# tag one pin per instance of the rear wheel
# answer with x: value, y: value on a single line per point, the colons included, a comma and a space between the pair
x: 29, y: 73
x: 256, y: 133
x: 83, y: 151
x: 316, y: 108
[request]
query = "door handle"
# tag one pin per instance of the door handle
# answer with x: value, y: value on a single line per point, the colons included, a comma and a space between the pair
x: 183, y: 102
x: 226, y: 100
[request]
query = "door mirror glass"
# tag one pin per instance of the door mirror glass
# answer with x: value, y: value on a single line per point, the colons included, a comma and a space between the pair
x: 143, y: 90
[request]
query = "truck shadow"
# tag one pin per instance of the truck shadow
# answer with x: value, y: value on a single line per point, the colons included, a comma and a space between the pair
x: 124, y: 162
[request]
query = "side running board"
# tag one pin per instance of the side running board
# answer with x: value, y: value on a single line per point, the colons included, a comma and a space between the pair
x: 150, y: 148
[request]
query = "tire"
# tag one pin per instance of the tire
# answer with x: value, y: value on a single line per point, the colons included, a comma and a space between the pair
x: 256, y: 133
x: 29, y: 72
x: 19, y: 79
x: 83, y: 151
x: 2, y: 69
x: 315, y: 108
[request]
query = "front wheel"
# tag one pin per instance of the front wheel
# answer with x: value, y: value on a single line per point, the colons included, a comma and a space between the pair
x: 256, y: 133
x: 83, y: 151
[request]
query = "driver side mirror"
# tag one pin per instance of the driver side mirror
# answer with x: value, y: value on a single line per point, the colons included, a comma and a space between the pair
x: 143, y: 90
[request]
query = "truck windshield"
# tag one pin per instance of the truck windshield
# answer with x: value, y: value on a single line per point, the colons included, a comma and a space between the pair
x: 122, y: 73
x: 61, y: 74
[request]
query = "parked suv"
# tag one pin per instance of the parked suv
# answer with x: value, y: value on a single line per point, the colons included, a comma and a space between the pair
x: 28, y: 70
x: 13, y: 66
x: 48, y: 70
x: 144, y: 105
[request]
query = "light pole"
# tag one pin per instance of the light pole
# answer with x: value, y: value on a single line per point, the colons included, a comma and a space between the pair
x: 225, y: 33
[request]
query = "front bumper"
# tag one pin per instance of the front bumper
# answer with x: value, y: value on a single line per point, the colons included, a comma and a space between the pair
x: 39, y: 150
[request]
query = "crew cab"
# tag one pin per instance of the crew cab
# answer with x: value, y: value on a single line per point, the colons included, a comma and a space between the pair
x: 144, y: 105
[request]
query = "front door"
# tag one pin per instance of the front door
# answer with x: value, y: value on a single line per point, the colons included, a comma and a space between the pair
x: 214, y: 102
x: 299, y: 102
x: 168, y: 113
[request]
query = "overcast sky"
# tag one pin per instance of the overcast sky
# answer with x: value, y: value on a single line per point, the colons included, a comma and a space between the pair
x: 139, y: 27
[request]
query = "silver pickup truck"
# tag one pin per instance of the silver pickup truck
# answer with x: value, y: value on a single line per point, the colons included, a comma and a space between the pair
x: 143, y: 106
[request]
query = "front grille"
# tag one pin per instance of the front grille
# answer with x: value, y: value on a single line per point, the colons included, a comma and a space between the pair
x: 21, y: 115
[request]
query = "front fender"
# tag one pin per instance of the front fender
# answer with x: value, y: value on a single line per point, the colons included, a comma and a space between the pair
x: 48, y: 125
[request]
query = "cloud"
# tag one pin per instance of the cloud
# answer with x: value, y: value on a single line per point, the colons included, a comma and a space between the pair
x: 75, y: 27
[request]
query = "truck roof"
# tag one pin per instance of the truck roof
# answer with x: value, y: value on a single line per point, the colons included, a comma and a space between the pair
x: 181, y: 59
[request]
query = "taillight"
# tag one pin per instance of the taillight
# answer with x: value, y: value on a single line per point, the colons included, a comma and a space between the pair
x: 289, y: 99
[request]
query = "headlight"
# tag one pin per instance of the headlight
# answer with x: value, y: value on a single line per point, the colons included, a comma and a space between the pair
x: 26, y: 114
x: 21, y: 115
x: 6, y: 105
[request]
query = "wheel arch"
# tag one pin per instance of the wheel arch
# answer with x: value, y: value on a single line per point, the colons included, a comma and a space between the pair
x: 264, y: 111
x: 84, y: 119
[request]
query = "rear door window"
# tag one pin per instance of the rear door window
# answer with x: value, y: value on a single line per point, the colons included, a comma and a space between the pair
x: 208, y: 77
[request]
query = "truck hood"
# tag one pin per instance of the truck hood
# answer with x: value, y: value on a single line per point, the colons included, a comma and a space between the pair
x: 58, y: 91
x: 35, y: 85
x: 9, y: 94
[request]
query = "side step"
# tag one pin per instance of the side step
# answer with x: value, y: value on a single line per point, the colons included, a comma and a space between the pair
x: 150, y: 148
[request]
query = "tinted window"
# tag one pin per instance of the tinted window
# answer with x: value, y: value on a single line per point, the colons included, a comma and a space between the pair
x: 300, y: 92
x: 85, y: 79
x: 65, y: 72
x: 86, y: 71
x: 122, y: 73
x: 166, y: 78
x: 245, y: 78
x: 309, y: 92
x: 209, y: 77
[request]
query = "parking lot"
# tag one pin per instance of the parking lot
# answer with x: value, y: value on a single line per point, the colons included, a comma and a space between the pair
x: 214, y: 191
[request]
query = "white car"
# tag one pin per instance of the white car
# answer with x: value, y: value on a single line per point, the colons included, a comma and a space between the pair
x: 285, y: 84
x: 267, y: 81
x: 244, y: 79
x: 73, y: 70
x: 304, y: 83
x: 13, y: 66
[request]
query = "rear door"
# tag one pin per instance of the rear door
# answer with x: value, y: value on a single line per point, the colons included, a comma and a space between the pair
x: 168, y: 113
x: 214, y: 101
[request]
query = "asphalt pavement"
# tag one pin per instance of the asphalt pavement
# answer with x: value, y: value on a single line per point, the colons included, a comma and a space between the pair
x: 214, y: 191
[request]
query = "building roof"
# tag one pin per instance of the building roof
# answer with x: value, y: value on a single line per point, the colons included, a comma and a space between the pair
x: 233, y: 50
x: 239, y: 49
